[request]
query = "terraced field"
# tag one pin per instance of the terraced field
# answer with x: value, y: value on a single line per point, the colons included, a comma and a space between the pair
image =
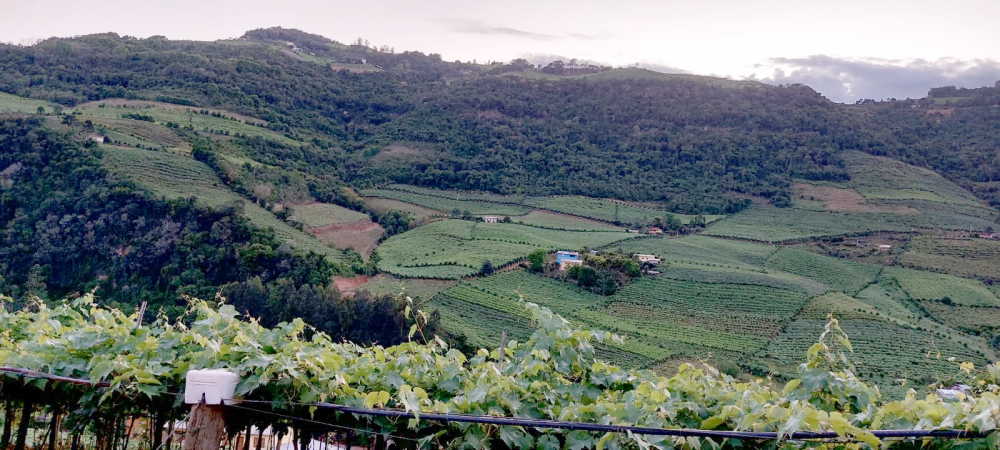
x: 319, y: 214
x: 457, y: 248
x: 603, y: 210
x: 606, y: 210
x: 447, y: 205
x: 923, y: 285
x: 172, y: 176
x: 842, y: 275
x: 962, y: 257
x: 226, y: 123
x: 883, y: 352
x: 702, y: 249
x: 558, y: 221
x: 882, y: 195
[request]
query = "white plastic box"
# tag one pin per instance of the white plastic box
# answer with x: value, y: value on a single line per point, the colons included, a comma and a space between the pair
x: 215, y: 385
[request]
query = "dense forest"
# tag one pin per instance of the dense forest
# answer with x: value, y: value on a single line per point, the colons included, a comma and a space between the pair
x: 697, y: 144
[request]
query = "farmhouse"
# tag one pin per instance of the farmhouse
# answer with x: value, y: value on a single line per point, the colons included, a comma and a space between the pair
x: 97, y: 138
x: 884, y: 247
x: 989, y: 236
x: 655, y: 230
x: 491, y: 219
x: 565, y: 259
x: 643, y: 258
x: 567, y: 263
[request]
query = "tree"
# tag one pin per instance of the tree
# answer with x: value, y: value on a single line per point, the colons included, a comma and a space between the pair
x: 41, y: 110
x: 586, y: 277
x: 537, y: 260
x: 487, y: 267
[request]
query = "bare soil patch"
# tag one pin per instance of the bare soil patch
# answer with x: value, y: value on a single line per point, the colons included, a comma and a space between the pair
x: 349, y: 285
x: 844, y: 200
x: 362, y: 235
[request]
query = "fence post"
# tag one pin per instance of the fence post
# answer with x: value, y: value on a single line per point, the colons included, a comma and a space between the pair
x: 207, y: 391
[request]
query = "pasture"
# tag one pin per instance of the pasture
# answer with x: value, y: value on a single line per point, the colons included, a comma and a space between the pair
x: 22, y: 105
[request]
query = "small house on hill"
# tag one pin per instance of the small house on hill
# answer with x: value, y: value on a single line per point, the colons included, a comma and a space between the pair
x: 655, y: 230
x: 100, y: 139
x: 644, y: 258
x: 491, y: 219
x: 989, y: 236
x: 884, y: 247
x: 565, y: 259
x: 567, y: 263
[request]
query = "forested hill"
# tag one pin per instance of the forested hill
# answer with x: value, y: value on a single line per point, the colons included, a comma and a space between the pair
x: 370, y: 116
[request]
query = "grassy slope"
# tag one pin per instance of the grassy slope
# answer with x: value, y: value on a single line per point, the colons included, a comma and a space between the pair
x: 893, y: 196
x: 175, y: 176
x: 14, y: 104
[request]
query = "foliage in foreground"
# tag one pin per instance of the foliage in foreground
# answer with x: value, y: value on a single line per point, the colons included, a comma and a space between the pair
x: 554, y: 375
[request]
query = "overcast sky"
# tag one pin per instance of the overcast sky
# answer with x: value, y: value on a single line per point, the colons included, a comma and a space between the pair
x: 846, y: 49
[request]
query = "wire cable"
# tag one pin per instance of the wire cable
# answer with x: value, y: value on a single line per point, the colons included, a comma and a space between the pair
x: 548, y: 423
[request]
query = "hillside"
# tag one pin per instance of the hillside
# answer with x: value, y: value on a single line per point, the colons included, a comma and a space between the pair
x: 259, y: 168
x: 697, y: 144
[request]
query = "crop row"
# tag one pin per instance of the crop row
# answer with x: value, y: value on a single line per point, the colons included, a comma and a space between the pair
x: 923, y: 285
x: 839, y: 274
x: 687, y: 295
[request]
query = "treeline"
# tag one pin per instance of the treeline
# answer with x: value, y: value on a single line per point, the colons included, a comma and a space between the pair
x: 697, y: 145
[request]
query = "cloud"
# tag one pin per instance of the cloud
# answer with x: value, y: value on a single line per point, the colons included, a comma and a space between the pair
x: 847, y: 80
x: 468, y: 26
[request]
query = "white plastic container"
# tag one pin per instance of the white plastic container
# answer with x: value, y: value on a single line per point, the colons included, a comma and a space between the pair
x: 215, y: 385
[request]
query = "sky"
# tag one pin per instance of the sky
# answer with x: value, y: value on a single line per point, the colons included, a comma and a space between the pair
x: 845, y: 49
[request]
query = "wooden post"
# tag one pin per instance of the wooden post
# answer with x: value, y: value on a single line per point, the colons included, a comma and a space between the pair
x: 503, y: 348
x: 205, y: 428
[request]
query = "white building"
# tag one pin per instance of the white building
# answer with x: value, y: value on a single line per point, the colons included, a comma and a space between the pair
x: 491, y: 219
x: 644, y: 258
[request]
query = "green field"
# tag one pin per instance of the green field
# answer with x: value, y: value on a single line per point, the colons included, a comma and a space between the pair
x: 962, y: 257
x: 661, y: 318
x: 884, y: 178
x: 605, y: 210
x: 548, y: 219
x: 318, y: 214
x: 172, y: 176
x: 770, y: 224
x: 447, y: 205
x: 702, y: 249
x: 923, y: 285
x: 457, y: 248
x: 111, y: 114
x: 14, y: 104
x: 418, y: 290
x: 839, y: 274
x: 884, y: 352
